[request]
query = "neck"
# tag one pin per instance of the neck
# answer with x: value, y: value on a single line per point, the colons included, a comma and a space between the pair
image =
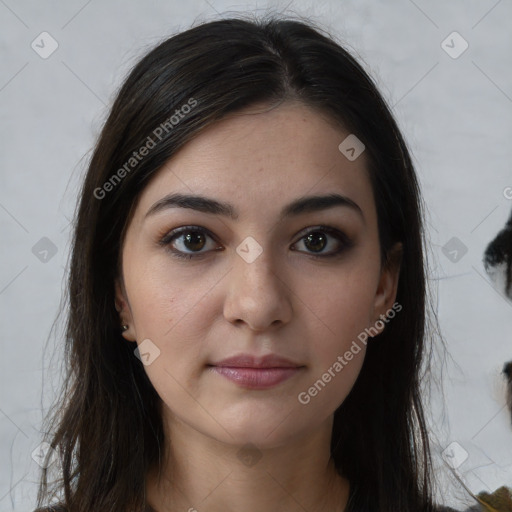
x: 201, y: 474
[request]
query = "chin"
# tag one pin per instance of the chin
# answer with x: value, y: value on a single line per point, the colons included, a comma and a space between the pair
x: 264, y: 430
x: 259, y: 440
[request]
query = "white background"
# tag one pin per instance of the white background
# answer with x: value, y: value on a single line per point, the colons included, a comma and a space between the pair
x: 455, y: 114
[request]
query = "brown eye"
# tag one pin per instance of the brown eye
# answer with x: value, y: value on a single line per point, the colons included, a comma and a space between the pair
x: 321, y: 237
x: 186, y: 241
x: 194, y: 240
x: 315, y: 241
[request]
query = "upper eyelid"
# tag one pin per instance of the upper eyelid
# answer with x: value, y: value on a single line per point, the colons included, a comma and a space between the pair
x: 184, y: 229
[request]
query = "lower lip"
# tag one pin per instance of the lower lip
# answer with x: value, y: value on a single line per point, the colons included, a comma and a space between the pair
x: 256, y: 378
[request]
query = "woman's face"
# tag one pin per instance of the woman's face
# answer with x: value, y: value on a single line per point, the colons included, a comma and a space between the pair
x: 241, y: 273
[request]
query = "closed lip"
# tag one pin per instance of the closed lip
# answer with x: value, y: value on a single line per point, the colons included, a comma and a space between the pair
x: 250, y: 361
x: 256, y: 373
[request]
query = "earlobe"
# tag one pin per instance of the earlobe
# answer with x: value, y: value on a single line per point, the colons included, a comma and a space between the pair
x: 125, y: 317
x: 388, y: 284
x: 120, y: 300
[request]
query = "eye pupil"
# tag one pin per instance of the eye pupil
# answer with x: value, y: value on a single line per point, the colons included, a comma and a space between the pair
x: 317, y: 237
x: 194, y: 238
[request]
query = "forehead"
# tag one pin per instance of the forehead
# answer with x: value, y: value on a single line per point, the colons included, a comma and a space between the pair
x: 260, y: 159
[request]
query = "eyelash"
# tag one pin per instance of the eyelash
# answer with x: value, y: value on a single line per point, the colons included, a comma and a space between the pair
x: 166, y: 241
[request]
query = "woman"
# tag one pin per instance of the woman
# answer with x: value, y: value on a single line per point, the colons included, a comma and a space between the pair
x: 247, y: 291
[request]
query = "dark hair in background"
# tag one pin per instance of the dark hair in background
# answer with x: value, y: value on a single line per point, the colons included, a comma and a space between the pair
x: 499, y: 254
x: 108, y: 429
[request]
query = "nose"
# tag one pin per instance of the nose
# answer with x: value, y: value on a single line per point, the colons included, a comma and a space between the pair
x: 258, y: 295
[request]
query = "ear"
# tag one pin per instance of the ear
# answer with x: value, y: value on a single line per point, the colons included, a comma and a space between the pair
x: 124, y: 310
x: 388, y: 284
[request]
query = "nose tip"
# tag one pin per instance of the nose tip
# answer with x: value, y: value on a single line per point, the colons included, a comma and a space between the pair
x: 257, y: 296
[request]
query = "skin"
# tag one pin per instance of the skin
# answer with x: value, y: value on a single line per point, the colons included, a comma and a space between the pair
x: 284, y: 302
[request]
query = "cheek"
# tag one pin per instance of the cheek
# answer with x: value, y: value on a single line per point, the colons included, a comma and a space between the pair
x: 164, y: 297
x: 173, y: 317
x: 172, y: 310
x: 342, y: 307
x: 342, y: 302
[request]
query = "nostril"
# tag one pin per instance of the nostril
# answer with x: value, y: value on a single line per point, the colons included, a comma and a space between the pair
x: 507, y: 369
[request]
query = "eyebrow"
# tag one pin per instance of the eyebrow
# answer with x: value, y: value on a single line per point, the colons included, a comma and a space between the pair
x: 301, y: 205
